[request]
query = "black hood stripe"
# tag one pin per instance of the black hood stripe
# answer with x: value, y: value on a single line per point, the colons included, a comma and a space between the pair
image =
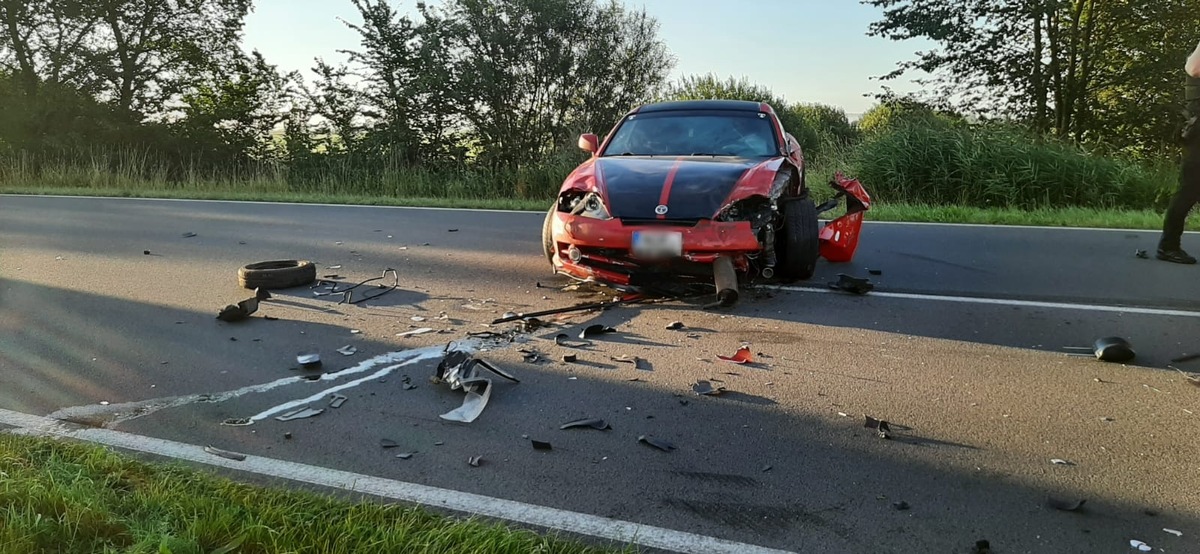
x: 697, y: 190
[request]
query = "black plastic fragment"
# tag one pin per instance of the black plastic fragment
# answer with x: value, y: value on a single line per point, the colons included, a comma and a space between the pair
x: 388, y: 443
x: 1142, y: 254
x: 594, y: 423
x: 562, y: 339
x: 875, y: 271
x: 591, y: 330
x: 656, y: 443
x: 982, y: 547
x: 1113, y: 349
x: 570, y: 358
x: 189, y: 235
x: 901, y: 505
x: 541, y: 445
x: 881, y: 427
x: 854, y: 285
x: 675, y: 326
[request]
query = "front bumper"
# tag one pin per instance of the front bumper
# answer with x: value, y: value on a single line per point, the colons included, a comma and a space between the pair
x: 605, y: 248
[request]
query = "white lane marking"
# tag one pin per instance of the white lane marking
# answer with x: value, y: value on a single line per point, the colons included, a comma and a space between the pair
x: 868, y: 221
x: 624, y: 532
x: 142, y: 408
x: 1004, y: 302
x: 318, y: 396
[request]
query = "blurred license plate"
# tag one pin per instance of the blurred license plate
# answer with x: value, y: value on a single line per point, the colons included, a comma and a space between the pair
x: 657, y: 244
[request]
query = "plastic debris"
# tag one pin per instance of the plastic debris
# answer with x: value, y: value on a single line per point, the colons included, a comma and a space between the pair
x: 982, y: 546
x: 387, y: 443
x: 592, y: 330
x: 706, y: 388
x: 1113, y: 349
x: 881, y: 427
x: 901, y: 506
x: 299, y: 414
x: 570, y: 358
x: 459, y: 369
x: 656, y: 443
x: 145, y: 252
x: 189, y: 235
x: 417, y: 318
x: 225, y: 453
x: 474, y: 461
x: 853, y: 285
x: 562, y: 339
x: 405, y: 455
x: 334, y: 266
x: 875, y: 272
x: 624, y: 359
x: 1061, y: 462
x: 1066, y: 505
x: 347, y: 350
x: 1142, y: 254
x: 415, y: 332
x: 675, y: 326
x: 309, y: 360
x: 541, y: 445
x: 337, y: 400
x: 1173, y: 532
x: 594, y: 423
x: 742, y: 356
x: 243, y: 309
x: 1134, y: 543
x: 287, y: 436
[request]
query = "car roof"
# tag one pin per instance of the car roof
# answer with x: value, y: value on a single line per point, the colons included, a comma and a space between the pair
x: 729, y: 105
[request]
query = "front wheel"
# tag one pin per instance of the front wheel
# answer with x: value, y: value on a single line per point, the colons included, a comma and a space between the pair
x: 798, y: 245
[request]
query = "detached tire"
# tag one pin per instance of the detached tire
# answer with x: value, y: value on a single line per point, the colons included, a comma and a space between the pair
x: 798, y: 247
x: 278, y: 274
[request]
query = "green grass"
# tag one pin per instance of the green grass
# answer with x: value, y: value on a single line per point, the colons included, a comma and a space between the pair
x: 66, y: 497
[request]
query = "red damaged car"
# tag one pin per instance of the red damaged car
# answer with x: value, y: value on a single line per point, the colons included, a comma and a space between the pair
x: 696, y: 189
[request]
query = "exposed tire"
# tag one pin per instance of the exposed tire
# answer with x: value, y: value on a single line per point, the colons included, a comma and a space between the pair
x: 277, y: 274
x: 798, y: 245
x: 548, y: 237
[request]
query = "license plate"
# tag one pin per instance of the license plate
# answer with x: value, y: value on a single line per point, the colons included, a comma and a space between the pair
x: 657, y: 244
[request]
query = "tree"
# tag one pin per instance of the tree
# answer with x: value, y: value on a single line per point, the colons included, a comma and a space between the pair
x: 531, y: 72
x: 1091, y: 72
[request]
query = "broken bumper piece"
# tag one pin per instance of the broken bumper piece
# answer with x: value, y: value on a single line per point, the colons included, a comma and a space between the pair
x: 460, y: 370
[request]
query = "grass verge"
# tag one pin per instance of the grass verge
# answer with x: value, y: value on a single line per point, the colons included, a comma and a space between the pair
x: 1051, y: 217
x: 66, y: 497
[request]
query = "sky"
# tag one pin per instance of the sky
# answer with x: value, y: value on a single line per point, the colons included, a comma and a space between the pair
x: 803, y: 50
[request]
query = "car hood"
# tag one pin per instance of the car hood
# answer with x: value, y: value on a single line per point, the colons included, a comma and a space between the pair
x: 691, y: 188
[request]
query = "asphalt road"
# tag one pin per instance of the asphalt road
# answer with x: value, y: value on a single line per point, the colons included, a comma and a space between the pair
x: 979, y: 394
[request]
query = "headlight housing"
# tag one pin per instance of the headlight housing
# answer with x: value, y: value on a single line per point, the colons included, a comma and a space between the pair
x: 583, y: 203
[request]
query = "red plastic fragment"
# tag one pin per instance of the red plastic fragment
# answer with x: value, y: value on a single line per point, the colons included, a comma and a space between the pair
x: 742, y: 356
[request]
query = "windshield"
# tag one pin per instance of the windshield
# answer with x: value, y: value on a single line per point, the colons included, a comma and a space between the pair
x: 742, y: 134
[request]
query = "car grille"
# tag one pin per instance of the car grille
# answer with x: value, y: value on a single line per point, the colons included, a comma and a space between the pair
x: 631, y: 222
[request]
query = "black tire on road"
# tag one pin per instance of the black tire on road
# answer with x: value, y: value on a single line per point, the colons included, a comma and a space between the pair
x: 277, y: 274
x: 798, y: 245
x: 548, y: 236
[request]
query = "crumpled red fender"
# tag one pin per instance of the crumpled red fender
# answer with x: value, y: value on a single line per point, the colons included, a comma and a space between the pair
x: 839, y: 238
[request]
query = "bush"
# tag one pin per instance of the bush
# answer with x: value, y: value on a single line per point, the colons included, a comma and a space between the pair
x: 998, y: 166
x: 892, y: 113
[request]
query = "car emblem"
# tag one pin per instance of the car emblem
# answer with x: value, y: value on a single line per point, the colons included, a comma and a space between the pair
x: 661, y: 210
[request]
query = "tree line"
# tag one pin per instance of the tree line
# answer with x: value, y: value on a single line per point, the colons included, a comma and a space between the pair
x: 510, y: 83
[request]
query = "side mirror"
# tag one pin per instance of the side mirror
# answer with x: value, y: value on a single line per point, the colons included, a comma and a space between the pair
x: 589, y: 142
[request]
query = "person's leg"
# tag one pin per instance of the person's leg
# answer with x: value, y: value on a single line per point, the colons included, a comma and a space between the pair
x: 1186, y: 197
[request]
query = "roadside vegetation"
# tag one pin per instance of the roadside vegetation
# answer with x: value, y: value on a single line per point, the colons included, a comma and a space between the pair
x: 67, y: 497
x: 1073, y: 121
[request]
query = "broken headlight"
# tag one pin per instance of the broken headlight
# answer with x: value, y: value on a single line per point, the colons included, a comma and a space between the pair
x: 756, y: 210
x: 586, y: 204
